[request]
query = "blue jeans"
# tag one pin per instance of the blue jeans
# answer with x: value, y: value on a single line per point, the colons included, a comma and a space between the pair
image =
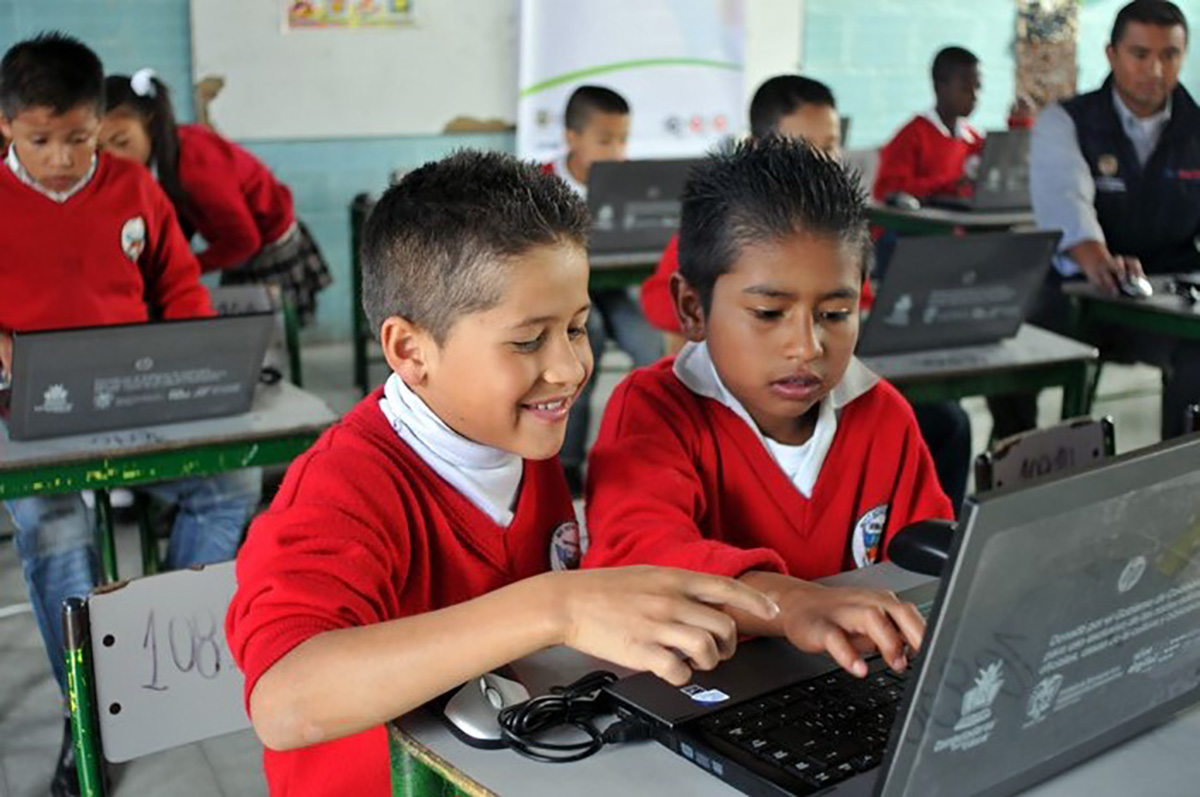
x: 56, y: 541
x: 616, y: 314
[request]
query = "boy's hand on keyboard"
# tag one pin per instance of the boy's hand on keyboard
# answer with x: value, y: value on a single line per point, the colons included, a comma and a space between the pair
x: 660, y: 619
x: 846, y: 622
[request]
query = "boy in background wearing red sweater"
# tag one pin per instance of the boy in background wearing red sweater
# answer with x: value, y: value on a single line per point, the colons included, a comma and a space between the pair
x: 424, y: 539
x: 930, y: 155
x: 88, y: 239
x: 764, y: 451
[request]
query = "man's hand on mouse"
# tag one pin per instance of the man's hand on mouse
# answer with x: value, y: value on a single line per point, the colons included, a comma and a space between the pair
x: 1102, y: 268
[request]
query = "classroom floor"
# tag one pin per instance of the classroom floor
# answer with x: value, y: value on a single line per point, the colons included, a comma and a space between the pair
x: 30, y: 718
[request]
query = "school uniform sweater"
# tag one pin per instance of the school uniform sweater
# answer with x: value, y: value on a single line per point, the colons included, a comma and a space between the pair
x: 682, y: 480
x: 233, y: 199
x: 658, y: 305
x: 99, y: 257
x: 364, y: 531
x: 925, y: 158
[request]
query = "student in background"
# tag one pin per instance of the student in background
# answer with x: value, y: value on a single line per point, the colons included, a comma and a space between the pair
x: 219, y: 190
x: 422, y: 541
x: 596, y: 123
x: 1118, y: 171
x: 803, y: 108
x: 89, y: 239
x: 932, y: 153
x: 765, y: 451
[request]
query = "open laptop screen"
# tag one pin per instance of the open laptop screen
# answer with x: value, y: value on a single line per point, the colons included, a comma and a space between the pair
x: 635, y: 205
x: 1071, y: 620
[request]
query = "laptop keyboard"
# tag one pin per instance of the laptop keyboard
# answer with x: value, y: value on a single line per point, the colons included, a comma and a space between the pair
x: 820, y: 731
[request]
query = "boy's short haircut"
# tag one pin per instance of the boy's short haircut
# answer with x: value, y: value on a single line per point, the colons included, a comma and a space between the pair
x: 762, y: 190
x: 1160, y: 13
x: 950, y: 60
x: 434, y: 248
x: 51, y: 70
x: 586, y: 100
x: 782, y: 96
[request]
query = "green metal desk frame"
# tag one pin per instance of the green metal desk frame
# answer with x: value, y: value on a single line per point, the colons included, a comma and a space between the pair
x: 418, y: 772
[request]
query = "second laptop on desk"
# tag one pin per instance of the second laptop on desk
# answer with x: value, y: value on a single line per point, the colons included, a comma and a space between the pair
x: 635, y: 204
x: 950, y: 291
x: 91, y: 379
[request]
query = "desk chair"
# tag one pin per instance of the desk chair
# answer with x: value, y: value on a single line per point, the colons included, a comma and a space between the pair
x: 148, y: 668
x: 285, y: 346
x: 1040, y: 452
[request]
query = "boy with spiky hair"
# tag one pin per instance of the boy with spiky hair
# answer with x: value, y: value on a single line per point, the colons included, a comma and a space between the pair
x: 765, y: 451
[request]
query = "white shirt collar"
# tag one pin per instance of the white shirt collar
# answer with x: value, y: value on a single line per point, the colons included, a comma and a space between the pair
x: 1144, y: 132
x: 15, y: 166
x: 490, y: 478
x: 560, y: 168
x: 962, y: 130
x: 802, y: 464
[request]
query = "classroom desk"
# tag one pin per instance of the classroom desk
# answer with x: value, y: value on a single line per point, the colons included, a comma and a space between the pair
x: 283, y: 421
x: 1163, y: 313
x: 935, y: 221
x: 1032, y: 360
x: 427, y: 760
x: 621, y: 269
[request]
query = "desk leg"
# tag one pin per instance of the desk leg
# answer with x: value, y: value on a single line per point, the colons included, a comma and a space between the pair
x: 411, y: 778
x: 104, y: 537
x: 84, y: 733
x: 1078, y: 392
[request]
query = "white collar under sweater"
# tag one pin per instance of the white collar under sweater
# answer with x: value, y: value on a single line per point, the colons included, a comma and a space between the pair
x: 16, y: 167
x: 560, y: 168
x: 489, y: 477
x: 802, y: 463
x: 962, y: 129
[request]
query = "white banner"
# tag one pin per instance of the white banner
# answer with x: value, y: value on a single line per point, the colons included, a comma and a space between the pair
x: 678, y: 63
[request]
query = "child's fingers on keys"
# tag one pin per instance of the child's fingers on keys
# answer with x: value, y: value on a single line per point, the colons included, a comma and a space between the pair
x: 664, y: 663
x: 717, y: 623
x: 698, y: 646
x: 908, y: 619
x: 838, y: 646
x: 731, y: 592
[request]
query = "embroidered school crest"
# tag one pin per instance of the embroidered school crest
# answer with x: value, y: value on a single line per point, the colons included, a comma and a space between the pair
x: 566, y: 547
x: 868, y: 532
x: 133, y: 237
x: 1108, y: 165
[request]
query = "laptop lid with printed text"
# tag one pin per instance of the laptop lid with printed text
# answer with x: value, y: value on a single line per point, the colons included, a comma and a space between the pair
x: 1070, y: 621
x: 92, y: 379
x: 635, y: 205
x: 947, y: 291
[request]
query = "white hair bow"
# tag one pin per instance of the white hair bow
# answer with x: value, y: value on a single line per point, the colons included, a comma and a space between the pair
x: 142, y: 83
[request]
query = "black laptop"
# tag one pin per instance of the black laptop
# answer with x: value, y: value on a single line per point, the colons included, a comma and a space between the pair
x: 1067, y: 621
x: 1002, y: 179
x: 92, y: 379
x: 949, y: 291
x: 635, y: 205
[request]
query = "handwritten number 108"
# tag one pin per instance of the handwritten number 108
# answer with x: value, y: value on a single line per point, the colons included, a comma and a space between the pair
x: 190, y: 645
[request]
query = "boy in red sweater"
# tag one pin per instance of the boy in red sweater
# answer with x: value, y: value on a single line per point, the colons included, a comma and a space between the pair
x: 426, y: 538
x: 930, y: 155
x: 764, y: 450
x: 88, y: 239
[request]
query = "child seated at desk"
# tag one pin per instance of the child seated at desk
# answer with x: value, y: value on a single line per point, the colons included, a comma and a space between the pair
x: 596, y: 128
x: 422, y: 540
x: 219, y: 190
x: 90, y: 239
x: 764, y: 450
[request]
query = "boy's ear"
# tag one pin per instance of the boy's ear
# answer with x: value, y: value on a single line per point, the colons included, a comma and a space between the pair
x: 572, y: 139
x: 688, y: 308
x: 406, y: 347
x: 5, y: 127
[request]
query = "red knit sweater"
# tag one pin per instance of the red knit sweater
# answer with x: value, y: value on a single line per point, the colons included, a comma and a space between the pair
x: 922, y: 160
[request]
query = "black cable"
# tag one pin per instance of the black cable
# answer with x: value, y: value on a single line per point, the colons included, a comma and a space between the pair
x: 577, y: 706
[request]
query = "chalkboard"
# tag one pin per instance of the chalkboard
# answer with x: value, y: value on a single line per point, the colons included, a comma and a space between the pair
x: 164, y: 675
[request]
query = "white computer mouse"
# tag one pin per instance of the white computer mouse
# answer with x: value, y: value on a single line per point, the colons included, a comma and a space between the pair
x: 471, y: 714
x: 1136, y: 287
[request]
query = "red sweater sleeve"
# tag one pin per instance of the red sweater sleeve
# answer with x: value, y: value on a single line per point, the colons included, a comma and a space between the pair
x: 906, y: 165
x: 656, y: 290
x: 645, y: 493
x: 170, y: 269
x: 231, y: 230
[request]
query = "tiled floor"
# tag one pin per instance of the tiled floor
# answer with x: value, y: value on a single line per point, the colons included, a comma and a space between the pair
x: 30, y: 719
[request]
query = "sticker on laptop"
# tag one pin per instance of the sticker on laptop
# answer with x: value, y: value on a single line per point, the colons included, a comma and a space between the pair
x: 56, y: 400
x: 976, y: 722
x: 704, y: 695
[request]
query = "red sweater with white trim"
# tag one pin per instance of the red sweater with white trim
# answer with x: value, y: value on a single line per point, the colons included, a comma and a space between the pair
x: 922, y: 160
x: 233, y: 199
x: 98, y: 258
x: 680, y: 480
x: 363, y: 531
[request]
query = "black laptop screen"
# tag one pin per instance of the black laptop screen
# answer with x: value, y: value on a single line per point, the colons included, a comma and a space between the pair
x: 1071, y: 620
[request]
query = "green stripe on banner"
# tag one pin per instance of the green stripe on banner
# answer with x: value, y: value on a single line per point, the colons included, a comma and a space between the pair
x: 619, y: 66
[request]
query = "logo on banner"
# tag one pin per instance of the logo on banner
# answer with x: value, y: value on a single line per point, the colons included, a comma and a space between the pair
x: 868, y: 533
